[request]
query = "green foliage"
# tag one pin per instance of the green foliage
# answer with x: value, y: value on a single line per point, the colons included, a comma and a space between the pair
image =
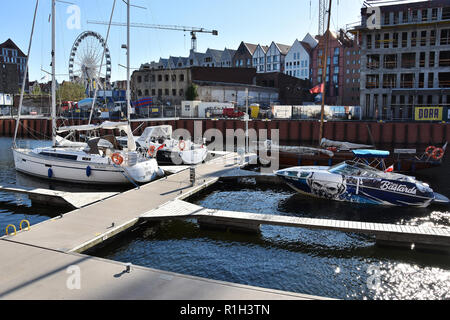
x: 71, y: 92
x: 192, y: 93
x: 36, y: 91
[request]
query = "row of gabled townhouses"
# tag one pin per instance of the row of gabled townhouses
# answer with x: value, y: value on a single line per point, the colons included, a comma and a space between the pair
x: 294, y: 60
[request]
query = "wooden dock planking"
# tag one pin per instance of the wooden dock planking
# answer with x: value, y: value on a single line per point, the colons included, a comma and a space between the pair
x: 81, y: 229
x: 396, y: 233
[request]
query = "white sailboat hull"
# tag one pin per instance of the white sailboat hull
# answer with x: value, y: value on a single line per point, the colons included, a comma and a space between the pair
x: 30, y: 163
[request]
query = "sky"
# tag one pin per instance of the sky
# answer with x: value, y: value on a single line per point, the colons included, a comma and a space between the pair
x: 253, y: 21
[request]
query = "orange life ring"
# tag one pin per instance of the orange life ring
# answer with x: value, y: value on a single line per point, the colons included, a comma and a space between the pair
x: 151, y: 151
x: 438, y: 154
x: 430, y: 151
x: 117, y: 159
x: 182, y: 145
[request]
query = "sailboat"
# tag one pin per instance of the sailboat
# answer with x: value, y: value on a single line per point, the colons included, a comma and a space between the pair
x: 99, y: 160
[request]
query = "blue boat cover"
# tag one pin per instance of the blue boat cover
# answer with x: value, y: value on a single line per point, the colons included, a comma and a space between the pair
x: 369, y: 154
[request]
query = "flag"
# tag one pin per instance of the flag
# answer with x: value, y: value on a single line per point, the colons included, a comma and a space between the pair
x: 390, y: 169
x: 317, y: 89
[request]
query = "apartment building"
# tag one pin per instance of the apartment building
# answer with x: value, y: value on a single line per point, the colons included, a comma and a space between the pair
x: 405, y: 60
x: 13, y: 64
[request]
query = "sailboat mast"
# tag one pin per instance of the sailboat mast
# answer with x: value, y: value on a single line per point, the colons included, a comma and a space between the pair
x: 53, y: 73
x: 128, y: 64
x: 22, y: 92
x: 324, y: 74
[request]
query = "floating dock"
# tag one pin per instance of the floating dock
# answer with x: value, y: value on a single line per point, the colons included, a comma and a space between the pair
x: 37, y: 263
x: 400, y: 235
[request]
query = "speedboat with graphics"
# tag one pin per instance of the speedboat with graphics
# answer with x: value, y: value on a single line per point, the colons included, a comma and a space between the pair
x: 357, y: 182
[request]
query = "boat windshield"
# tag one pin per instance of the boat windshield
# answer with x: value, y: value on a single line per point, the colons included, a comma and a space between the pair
x: 351, y: 168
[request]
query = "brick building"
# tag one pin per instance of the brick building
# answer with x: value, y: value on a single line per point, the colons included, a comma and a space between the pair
x: 13, y: 64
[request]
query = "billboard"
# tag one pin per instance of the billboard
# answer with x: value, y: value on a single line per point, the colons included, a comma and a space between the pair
x: 429, y: 114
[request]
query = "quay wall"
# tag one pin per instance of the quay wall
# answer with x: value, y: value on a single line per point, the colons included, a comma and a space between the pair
x: 292, y: 131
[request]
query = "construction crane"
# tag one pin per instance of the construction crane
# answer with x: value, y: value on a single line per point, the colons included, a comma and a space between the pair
x: 193, y: 31
x: 323, y: 14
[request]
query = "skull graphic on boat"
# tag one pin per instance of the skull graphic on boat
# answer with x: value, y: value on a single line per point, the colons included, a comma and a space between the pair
x: 327, y: 186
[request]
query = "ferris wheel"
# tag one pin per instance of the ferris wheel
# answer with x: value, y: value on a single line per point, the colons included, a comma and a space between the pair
x: 85, y: 60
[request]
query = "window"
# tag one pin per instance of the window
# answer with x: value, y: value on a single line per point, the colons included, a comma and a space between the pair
x: 415, y: 14
x: 423, y: 38
x: 433, y: 38
x: 336, y: 51
x: 377, y: 41
x: 409, y: 60
x: 174, y: 77
x: 174, y: 92
x: 139, y: 79
x: 445, y: 36
x: 434, y: 14
x: 446, y: 13
x: 432, y: 61
x: 372, y: 81
x: 389, y: 81
x: 424, y: 15
x: 421, y: 80
x: 386, y: 40
x: 166, y: 92
x: 422, y: 60
x: 147, y: 93
x: 413, y: 38
x: 404, y: 39
x: 395, y: 40
x: 181, y: 77
x: 386, y: 19
x: 369, y: 41
x: 407, y: 80
x: 405, y: 17
x: 160, y: 77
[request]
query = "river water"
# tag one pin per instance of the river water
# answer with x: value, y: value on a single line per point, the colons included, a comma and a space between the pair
x: 322, y: 263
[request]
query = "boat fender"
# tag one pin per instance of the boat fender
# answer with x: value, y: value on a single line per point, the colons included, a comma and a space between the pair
x: 50, y: 173
x: 182, y: 145
x: 438, y: 154
x: 151, y: 151
x: 117, y: 159
x: 88, y: 171
x: 430, y: 151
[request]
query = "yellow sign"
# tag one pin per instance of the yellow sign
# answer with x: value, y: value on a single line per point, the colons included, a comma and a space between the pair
x: 429, y: 113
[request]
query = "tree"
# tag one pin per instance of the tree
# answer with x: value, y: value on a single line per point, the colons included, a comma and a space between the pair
x: 36, y: 90
x: 70, y: 91
x: 192, y: 93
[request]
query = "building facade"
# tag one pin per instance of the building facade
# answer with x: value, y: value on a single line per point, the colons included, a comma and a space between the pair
x: 292, y: 90
x: 333, y: 78
x: 169, y: 86
x: 244, y: 55
x: 13, y: 61
x: 298, y: 60
x: 259, y: 58
x: 405, y: 60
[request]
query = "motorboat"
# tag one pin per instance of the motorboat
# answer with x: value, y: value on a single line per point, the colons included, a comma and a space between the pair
x: 158, y: 142
x: 101, y: 160
x: 358, y: 182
